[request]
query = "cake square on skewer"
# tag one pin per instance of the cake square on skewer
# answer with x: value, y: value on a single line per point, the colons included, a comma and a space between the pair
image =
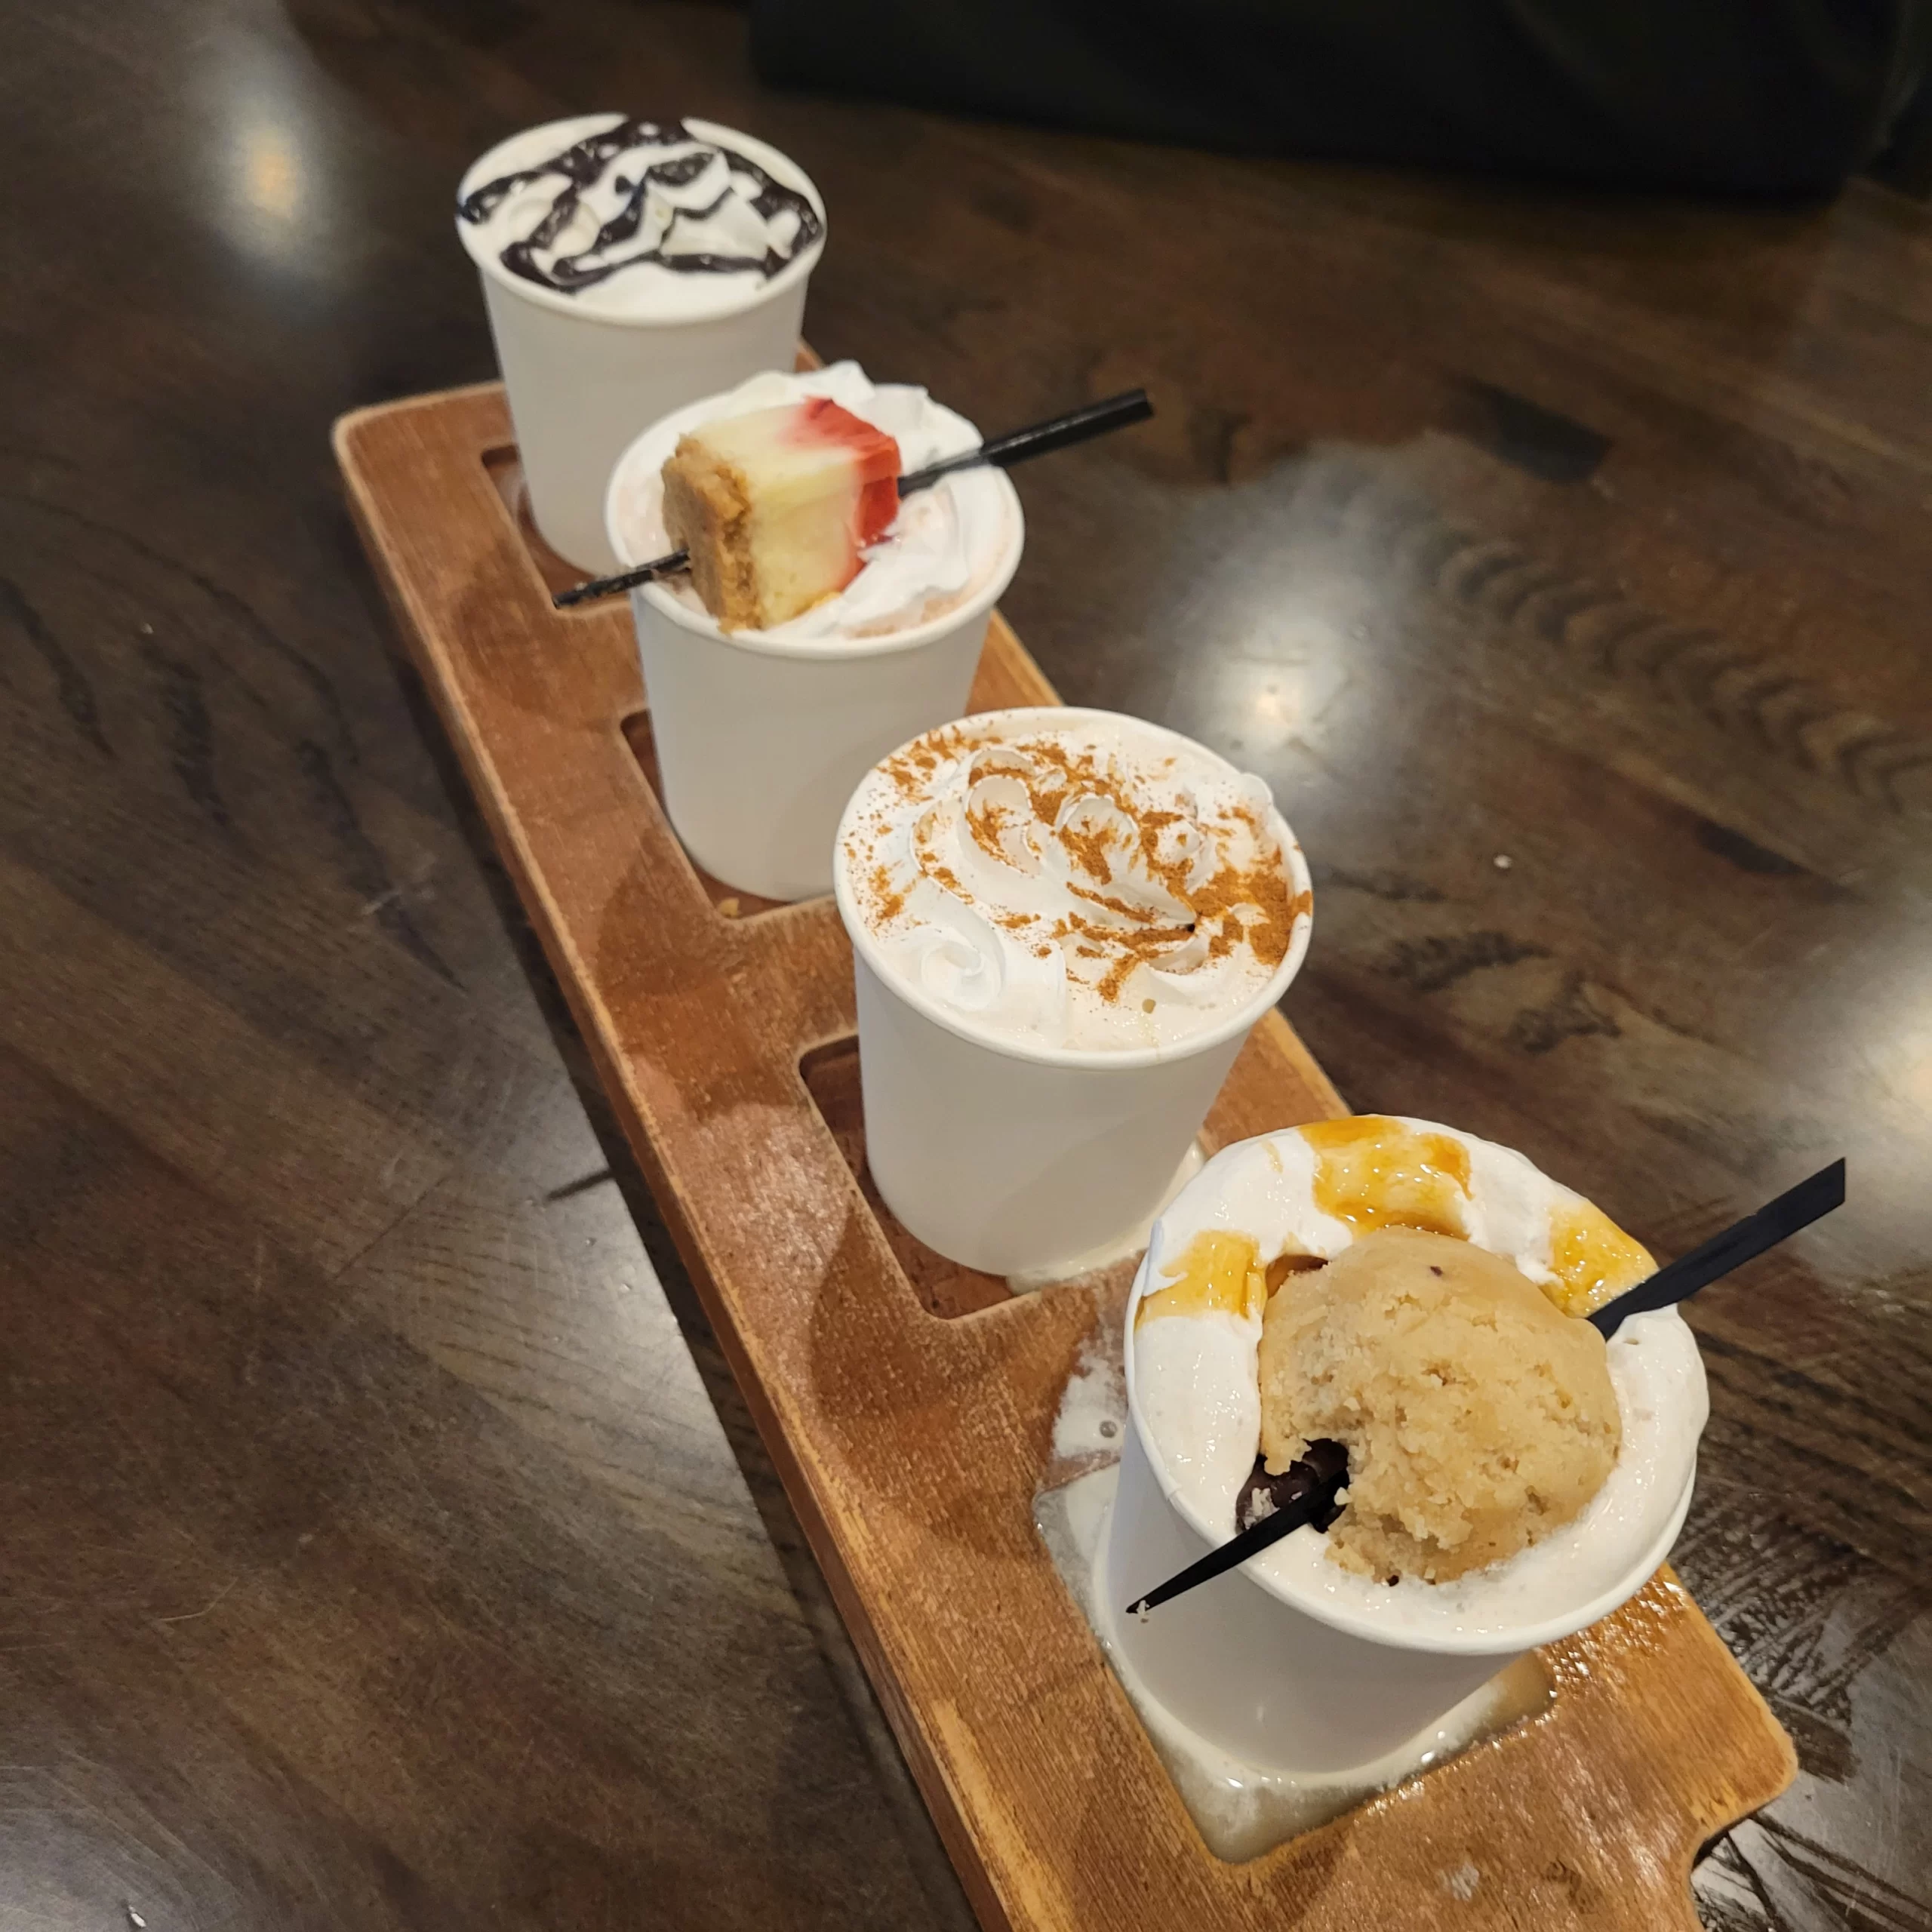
x: 777, y: 507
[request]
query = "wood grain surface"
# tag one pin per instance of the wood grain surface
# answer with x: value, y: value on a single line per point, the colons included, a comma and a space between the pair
x: 909, y: 1407
x: 383, y: 1546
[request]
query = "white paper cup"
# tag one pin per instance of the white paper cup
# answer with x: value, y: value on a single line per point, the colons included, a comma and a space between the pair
x: 1272, y: 1682
x: 761, y: 741
x: 582, y: 384
x: 1015, y: 1158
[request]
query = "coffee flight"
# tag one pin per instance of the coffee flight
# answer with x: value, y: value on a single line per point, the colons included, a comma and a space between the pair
x: 1065, y: 924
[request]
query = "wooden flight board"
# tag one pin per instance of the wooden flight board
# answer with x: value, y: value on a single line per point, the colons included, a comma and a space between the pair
x: 908, y: 1403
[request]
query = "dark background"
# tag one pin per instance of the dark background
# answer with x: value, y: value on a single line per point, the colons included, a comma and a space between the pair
x: 380, y: 1545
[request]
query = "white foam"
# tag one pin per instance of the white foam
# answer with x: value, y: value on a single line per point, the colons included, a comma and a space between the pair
x: 1024, y: 943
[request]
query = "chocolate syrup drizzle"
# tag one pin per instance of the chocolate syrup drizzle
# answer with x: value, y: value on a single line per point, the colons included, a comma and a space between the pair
x: 583, y: 163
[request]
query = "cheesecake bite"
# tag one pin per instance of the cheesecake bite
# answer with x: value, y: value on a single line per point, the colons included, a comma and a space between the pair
x: 1478, y: 1416
x: 777, y: 507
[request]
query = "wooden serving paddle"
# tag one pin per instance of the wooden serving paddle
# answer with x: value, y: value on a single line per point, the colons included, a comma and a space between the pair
x: 1744, y: 1241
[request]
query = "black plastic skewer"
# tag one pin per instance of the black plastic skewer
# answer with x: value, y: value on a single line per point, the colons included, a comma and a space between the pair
x: 1077, y: 425
x: 1316, y: 1502
x: 1744, y: 1241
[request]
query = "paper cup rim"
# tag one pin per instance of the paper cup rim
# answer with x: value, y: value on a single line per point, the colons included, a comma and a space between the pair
x: 1094, y: 1060
x: 574, y: 127
x: 1509, y: 1643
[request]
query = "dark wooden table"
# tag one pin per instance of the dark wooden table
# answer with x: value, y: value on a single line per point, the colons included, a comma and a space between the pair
x: 380, y: 1543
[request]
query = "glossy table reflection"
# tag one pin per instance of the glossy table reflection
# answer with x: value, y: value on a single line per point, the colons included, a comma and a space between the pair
x: 383, y: 1546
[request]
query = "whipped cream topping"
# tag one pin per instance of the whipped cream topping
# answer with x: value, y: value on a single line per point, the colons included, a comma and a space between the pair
x: 647, y: 220
x: 1193, y: 1383
x: 947, y: 544
x: 1075, y: 879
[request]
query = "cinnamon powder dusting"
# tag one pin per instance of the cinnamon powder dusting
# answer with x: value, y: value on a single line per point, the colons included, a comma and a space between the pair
x: 886, y: 904
x: 1088, y: 850
x: 1110, y: 859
